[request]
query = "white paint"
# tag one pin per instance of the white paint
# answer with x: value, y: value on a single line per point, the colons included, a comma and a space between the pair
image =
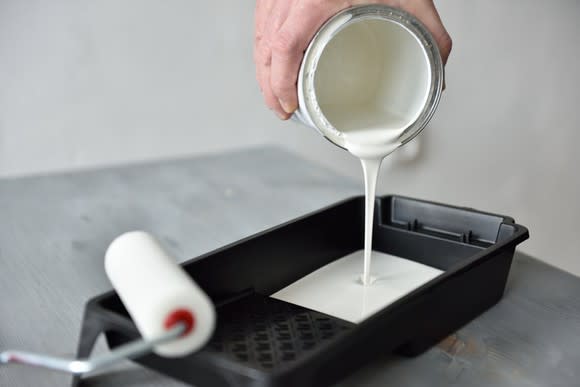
x: 335, y: 289
x: 371, y: 84
x: 152, y: 285
x: 371, y: 169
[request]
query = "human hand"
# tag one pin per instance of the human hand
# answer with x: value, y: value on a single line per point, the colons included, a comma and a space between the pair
x: 284, y: 28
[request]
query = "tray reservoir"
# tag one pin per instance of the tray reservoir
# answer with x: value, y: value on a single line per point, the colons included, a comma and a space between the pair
x: 337, y: 290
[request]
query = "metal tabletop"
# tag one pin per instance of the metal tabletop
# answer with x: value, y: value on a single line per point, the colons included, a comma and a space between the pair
x: 55, y: 229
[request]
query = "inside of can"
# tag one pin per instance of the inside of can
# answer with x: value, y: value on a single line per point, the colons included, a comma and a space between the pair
x: 373, y: 74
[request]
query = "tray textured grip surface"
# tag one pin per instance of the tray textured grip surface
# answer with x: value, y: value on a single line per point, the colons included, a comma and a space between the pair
x: 260, y: 341
x: 264, y: 333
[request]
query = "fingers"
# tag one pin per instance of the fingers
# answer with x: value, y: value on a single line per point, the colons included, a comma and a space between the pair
x: 288, y: 47
x: 261, y: 53
x: 270, y: 15
x: 286, y: 58
x: 263, y: 75
x: 260, y: 13
x: 278, y: 17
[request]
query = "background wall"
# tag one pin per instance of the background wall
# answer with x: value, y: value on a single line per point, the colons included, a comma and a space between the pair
x: 91, y: 83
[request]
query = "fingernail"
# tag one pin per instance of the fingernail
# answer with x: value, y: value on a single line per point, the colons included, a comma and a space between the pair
x: 288, y: 107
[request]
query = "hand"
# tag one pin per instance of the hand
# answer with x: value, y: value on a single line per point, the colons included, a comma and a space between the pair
x: 283, y: 29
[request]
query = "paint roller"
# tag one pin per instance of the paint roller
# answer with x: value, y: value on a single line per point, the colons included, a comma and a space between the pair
x: 172, y: 313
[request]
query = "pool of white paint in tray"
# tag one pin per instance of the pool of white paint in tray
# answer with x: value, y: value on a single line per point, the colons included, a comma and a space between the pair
x: 336, y: 288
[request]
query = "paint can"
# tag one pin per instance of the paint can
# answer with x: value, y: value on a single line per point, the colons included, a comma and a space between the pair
x: 370, y: 64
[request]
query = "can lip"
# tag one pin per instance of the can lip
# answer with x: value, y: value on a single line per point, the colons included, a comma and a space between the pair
x: 310, y: 111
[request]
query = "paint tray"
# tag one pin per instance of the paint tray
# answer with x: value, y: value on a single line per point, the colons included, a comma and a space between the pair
x: 262, y: 341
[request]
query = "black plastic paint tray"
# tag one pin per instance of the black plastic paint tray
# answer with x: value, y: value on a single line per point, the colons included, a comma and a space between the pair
x: 261, y: 341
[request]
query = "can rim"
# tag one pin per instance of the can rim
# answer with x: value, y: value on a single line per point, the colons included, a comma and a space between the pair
x: 310, y: 110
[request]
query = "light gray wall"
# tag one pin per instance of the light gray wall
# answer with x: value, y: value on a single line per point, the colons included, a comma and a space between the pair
x: 90, y: 83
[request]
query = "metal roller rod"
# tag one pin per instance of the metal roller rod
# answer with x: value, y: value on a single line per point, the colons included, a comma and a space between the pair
x: 78, y: 367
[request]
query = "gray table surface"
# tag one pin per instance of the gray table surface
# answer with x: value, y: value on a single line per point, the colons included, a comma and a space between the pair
x: 55, y: 229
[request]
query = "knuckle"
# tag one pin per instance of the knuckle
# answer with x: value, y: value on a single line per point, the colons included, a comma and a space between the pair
x: 284, y: 44
x: 262, y: 56
x: 446, y: 43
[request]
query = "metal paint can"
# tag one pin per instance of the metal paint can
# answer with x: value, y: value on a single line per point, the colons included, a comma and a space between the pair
x: 370, y: 46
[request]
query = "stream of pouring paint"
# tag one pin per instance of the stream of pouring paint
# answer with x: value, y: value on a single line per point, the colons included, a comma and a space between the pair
x: 371, y: 146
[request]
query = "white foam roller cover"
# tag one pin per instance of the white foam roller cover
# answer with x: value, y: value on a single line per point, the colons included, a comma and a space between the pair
x: 158, y: 293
